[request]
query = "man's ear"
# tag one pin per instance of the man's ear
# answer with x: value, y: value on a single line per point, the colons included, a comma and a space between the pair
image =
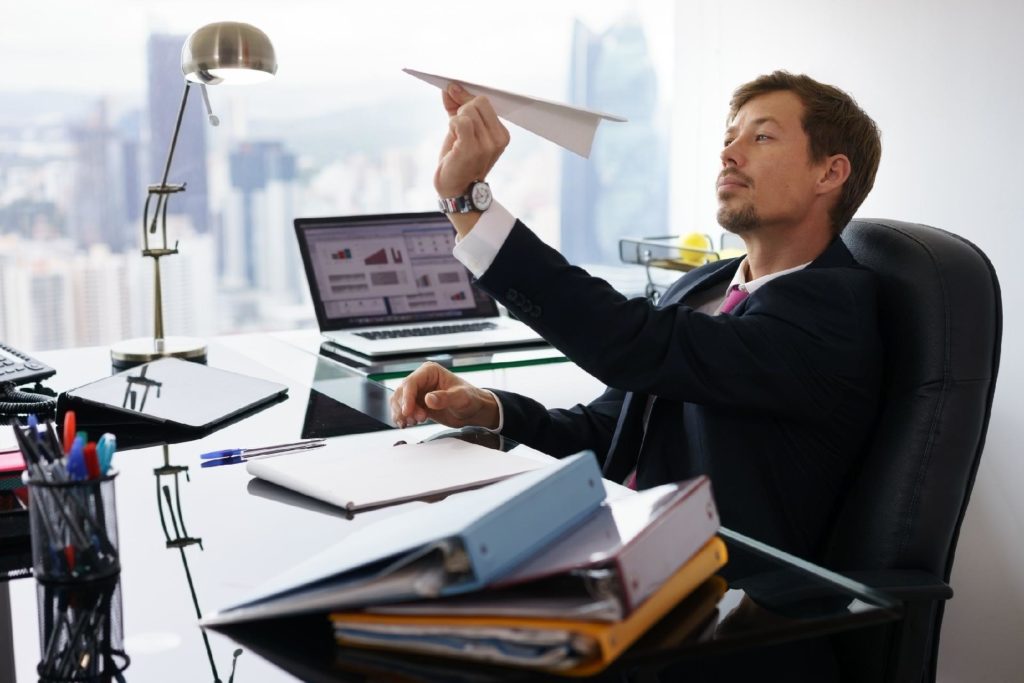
x: 836, y: 170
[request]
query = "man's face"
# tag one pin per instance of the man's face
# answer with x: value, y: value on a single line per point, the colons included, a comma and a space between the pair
x: 767, y: 177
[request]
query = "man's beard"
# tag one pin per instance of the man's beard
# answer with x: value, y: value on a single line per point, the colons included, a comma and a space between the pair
x: 739, y: 222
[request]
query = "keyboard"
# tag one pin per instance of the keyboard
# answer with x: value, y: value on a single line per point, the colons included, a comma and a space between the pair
x: 426, y: 331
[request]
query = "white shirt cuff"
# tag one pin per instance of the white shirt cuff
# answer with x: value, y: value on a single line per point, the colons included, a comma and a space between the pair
x: 477, y: 250
x: 501, y: 413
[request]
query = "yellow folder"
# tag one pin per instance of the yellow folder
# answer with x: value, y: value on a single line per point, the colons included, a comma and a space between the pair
x: 604, y: 641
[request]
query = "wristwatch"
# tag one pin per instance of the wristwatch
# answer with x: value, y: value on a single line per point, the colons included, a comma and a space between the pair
x: 478, y: 198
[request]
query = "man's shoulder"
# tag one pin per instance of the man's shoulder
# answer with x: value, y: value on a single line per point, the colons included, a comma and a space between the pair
x: 836, y: 255
x: 835, y: 266
x: 830, y: 291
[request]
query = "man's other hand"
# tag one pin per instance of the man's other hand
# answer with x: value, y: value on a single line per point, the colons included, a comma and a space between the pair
x: 431, y: 392
x: 475, y: 141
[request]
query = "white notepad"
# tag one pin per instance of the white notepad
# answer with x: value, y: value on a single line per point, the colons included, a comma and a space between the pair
x: 367, y: 477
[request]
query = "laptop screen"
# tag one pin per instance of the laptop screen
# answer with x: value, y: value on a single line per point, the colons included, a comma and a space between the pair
x: 366, y: 271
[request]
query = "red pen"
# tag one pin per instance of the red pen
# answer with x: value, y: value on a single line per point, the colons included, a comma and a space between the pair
x: 92, y: 462
x: 69, y: 430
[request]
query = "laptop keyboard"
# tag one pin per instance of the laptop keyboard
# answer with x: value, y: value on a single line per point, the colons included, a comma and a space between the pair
x: 426, y: 331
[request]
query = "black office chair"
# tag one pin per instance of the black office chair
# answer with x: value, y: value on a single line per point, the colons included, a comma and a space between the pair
x: 897, y: 530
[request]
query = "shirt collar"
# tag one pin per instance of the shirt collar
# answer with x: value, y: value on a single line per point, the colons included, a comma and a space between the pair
x: 740, y: 278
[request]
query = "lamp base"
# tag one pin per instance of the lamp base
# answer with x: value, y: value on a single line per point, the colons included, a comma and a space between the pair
x: 132, y: 352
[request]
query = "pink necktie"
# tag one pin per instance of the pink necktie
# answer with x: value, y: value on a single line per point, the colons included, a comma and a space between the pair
x: 733, y: 297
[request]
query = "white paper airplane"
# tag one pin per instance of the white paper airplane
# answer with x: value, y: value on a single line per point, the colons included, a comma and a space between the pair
x: 570, y: 127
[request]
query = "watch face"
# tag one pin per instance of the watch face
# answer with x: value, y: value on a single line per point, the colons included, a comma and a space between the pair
x: 481, y: 196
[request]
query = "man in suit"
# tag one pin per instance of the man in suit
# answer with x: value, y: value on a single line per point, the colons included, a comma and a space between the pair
x: 761, y: 372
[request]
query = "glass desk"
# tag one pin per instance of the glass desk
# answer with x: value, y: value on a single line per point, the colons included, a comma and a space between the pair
x: 197, y: 539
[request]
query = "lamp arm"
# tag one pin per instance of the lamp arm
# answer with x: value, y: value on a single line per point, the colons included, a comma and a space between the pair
x: 174, y: 137
x: 170, y: 154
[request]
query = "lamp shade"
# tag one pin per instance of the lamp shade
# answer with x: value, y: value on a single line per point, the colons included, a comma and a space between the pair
x: 228, y: 51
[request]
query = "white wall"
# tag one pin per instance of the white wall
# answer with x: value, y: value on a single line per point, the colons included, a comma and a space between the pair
x: 944, y: 79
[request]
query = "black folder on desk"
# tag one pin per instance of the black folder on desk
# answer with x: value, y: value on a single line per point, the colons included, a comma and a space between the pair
x: 174, y: 394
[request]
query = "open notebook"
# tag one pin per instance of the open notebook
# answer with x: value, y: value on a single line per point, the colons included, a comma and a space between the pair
x: 357, y: 479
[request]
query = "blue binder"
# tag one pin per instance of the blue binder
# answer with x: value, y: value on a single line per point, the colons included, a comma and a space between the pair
x: 460, y: 544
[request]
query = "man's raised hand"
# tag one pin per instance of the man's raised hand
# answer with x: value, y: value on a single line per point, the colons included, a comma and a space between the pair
x: 475, y: 141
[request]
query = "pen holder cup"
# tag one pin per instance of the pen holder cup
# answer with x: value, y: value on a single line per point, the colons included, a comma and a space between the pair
x: 74, y: 528
x: 81, y: 631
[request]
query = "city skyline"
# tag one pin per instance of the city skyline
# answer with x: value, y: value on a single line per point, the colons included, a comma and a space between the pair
x: 74, y: 166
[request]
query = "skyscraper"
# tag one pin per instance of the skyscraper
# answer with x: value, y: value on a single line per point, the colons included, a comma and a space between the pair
x: 258, y: 244
x: 98, y: 213
x: 100, y: 297
x: 133, y: 170
x: 621, y: 190
x: 36, y: 294
x: 165, y: 86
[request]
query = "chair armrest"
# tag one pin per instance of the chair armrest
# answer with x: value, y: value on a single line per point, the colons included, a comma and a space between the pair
x: 904, y: 584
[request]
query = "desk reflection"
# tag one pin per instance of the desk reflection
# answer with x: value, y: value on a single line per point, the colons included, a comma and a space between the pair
x: 342, y: 403
x: 131, y: 393
x: 169, y: 506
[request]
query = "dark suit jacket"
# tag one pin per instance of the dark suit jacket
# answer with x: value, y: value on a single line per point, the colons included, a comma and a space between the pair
x: 774, y: 402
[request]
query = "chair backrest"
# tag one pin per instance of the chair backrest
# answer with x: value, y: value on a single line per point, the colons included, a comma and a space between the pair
x: 941, y: 322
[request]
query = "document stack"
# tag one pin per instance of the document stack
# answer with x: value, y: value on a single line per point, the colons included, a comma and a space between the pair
x: 536, y: 571
x: 578, y: 604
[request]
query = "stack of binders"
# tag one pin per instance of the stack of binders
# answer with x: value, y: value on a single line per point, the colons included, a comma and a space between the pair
x: 537, y: 571
x: 576, y: 606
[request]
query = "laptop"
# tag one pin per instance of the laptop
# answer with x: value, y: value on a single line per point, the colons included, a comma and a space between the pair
x: 388, y: 285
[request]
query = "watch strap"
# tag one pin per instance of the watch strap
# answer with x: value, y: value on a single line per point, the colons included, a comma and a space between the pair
x: 460, y: 204
x: 465, y: 202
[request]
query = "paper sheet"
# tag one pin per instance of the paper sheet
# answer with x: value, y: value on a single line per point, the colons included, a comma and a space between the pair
x: 567, y: 126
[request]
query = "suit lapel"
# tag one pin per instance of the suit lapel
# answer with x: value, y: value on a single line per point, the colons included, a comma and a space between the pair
x: 626, y: 439
x: 700, y: 279
x: 625, y: 444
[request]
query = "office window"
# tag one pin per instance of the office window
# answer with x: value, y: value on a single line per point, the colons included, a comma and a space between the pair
x: 88, y: 114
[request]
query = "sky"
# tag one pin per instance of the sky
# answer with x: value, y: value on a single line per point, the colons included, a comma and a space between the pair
x: 331, y: 53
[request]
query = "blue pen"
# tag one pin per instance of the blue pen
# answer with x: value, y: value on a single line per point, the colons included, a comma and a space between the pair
x: 105, y: 449
x: 228, y: 460
x: 266, y: 450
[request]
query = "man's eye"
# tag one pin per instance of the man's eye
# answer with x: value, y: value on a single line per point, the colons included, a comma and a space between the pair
x: 727, y: 142
x: 761, y: 137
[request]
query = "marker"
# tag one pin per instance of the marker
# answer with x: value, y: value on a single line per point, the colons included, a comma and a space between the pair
x: 69, y: 430
x: 76, y: 460
x: 105, y: 449
x: 92, y: 461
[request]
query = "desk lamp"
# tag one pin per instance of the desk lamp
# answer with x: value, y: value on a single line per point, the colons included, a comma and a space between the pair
x: 228, y: 52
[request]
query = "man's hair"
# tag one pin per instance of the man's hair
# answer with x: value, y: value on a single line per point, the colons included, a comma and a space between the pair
x: 835, y: 125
